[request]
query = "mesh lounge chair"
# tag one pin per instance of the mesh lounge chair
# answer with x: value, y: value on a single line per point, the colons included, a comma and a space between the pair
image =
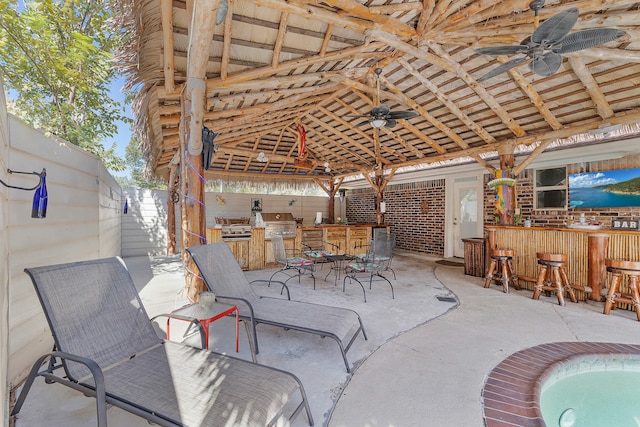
x: 107, y: 347
x: 223, y: 276
x: 373, y: 264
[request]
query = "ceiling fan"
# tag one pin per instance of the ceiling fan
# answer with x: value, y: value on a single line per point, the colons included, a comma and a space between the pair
x: 544, y: 47
x: 381, y: 115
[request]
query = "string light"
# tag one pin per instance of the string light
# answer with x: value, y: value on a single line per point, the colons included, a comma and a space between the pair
x: 189, y: 198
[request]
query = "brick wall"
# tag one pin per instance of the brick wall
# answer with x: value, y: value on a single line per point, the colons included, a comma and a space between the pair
x: 415, y: 212
x: 423, y: 231
x: 558, y: 218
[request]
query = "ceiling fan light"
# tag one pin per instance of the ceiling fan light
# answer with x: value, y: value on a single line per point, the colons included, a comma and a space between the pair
x: 378, y: 123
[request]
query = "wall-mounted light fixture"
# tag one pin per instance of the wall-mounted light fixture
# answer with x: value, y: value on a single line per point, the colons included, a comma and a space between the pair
x: 40, y: 197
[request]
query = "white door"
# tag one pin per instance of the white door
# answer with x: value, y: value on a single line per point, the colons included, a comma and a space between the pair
x: 466, y: 212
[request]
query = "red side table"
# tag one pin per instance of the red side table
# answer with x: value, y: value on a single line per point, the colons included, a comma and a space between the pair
x: 205, y: 316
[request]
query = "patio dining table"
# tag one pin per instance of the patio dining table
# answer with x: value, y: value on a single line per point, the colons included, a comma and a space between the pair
x: 337, y: 265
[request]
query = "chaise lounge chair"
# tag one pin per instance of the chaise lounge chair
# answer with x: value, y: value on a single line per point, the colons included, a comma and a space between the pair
x: 223, y: 276
x: 107, y: 348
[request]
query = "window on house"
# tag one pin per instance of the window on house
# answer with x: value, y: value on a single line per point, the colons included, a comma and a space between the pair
x: 550, y: 189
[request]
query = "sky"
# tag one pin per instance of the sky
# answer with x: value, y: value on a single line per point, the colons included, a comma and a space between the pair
x: 592, y: 179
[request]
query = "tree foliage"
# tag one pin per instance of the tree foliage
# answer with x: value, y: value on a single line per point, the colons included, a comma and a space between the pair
x: 57, y: 61
x: 135, y: 163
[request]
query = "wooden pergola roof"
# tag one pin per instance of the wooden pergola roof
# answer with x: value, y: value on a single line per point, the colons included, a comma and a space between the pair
x: 273, y: 64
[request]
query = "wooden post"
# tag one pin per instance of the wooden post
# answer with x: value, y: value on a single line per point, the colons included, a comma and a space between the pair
x: 193, y: 97
x: 332, y: 202
x: 597, y: 271
x: 173, y: 183
x: 192, y: 200
x: 171, y: 220
x: 379, y: 198
x: 506, y: 200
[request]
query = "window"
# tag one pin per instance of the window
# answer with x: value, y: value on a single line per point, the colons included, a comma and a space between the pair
x: 550, y: 189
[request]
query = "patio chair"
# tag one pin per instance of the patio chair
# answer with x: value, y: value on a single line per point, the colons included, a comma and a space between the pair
x: 107, y: 348
x: 292, y: 262
x: 223, y: 276
x: 364, y: 256
x: 373, y: 264
x: 319, y: 252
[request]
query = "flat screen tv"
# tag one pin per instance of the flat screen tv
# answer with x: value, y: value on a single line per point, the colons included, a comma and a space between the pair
x: 617, y: 188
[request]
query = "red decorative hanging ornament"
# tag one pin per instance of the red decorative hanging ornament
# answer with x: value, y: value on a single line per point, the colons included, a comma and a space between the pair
x: 302, y: 141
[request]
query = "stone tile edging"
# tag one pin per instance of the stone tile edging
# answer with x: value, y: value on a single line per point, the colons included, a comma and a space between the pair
x: 510, y: 396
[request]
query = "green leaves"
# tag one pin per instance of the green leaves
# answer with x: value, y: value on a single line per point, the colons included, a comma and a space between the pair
x: 57, y: 61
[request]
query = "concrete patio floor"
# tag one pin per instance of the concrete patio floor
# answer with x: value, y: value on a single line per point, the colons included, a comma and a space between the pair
x: 430, y: 375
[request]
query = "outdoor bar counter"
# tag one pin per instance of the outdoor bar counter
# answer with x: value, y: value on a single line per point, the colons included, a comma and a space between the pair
x: 587, y: 250
x: 254, y: 252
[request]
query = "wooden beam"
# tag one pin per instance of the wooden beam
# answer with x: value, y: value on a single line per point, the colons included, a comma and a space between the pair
x: 226, y: 41
x: 500, y: 111
x: 447, y: 102
x: 606, y: 54
x: 277, y: 46
x: 424, y: 113
x: 534, y: 96
x: 362, y: 51
x: 251, y: 97
x: 359, y: 11
x: 599, y: 100
x: 532, y: 156
x: 341, y: 135
x: 273, y: 83
x: 424, y: 138
x: 427, y: 10
x: 166, y: 9
x: 326, y: 40
x: 337, y: 147
x: 358, y: 23
x: 387, y: 9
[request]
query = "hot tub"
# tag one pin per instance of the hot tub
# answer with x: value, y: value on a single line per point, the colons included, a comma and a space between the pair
x: 593, y: 390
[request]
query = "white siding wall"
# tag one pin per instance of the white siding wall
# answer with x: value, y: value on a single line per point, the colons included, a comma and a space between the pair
x: 83, y: 222
x: 4, y: 264
x: 144, y: 229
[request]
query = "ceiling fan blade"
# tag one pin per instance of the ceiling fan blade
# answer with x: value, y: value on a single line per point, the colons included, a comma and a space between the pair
x: 402, y: 115
x: 362, y: 123
x: 546, y: 65
x: 503, y: 67
x: 588, y: 38
x: 555, y: 28
x: 502, y: 50
x: 380, y: 111
x: 390, y: 123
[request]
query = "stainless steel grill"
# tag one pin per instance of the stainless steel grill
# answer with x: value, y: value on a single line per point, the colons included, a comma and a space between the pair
x: 279, y: 223
x: 236, y: 231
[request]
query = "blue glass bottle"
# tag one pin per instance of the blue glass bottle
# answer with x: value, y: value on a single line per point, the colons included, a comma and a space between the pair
x: 40, y: 199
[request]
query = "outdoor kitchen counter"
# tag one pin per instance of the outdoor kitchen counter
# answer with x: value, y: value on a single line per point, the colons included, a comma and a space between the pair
x: 337, y: 238
x: 586, y: 249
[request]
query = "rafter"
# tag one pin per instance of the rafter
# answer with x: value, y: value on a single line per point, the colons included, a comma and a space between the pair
x: 448, y: 103
x: 534, y: 96
x: 226, y: 42
x: 277, y: 46
x: 590, y: 84
x: 166, y: 9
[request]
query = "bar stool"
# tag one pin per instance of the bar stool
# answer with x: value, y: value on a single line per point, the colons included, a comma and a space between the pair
x: 501, y: 269
x: 619, y: 268
x: 553, y: 276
